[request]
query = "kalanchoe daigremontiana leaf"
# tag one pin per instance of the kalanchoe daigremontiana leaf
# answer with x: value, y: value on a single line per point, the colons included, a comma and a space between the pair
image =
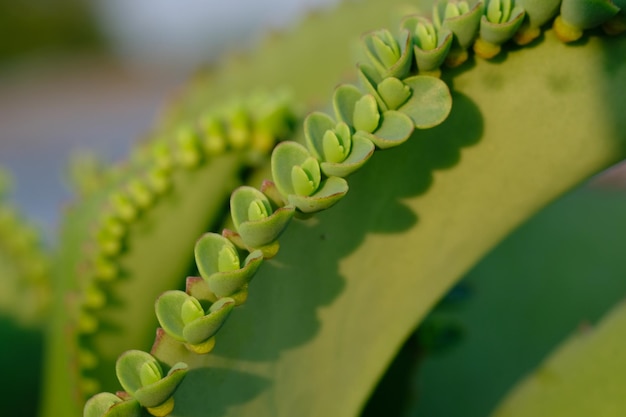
x: 431, y: 45
x: 141, y: 375
x: 255, y: 221
x: 344, y: 99
x: 370, y: 80
x: 394, y: 130
x: 184, y: 319
x: 203, y: 328
x: 430, y: 102
x: 218, y: 262
x: 393, y: 92
x: 366, y: 115
x: 297, y: 177
x: 578, y: 15
x: 462, y: 18
x: 390, y: 57
x: 502, y: 18
x: 106, y: 404
x: 341, y: 153
x: 318, y: 128
x: 538, y: 13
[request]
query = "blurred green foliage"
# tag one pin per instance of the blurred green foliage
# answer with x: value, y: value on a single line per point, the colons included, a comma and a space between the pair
x: 30, y: 27
x: 562, y: 270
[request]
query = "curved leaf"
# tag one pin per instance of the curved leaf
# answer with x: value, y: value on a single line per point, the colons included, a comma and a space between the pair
x: 585, y: 376
x: 348, y: 286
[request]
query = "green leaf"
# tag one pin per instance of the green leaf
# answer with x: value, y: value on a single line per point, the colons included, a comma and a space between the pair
x: 109, y: 405
x: 214, y: 253
x: 586, y: 14
x: 168, y: 308
x: 330, y: 192
x: 316, y: 124
x: 395, y: 129
x: 497, y: 33
x: 430, y: 102
x: 207, y: 326
x: 366, y: 115
x: 362, y: 150
x: 377, y: 262
x: 294, y: 170
x: 546, y: 279
x: 585, y: 376
x: 370, y: 80
x: 228, y: 284
x: 430, y: 56
x: 262, y: 231
x: 393, y: 92
x: 390, y: 57
x: 539, y: 12
x: 344, y: 100
x: 464, y: 25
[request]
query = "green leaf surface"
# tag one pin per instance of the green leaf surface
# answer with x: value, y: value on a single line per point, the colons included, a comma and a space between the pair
x: 585, y: 376
x: 349, y: 285
x: 548, y: 278
x: 430, y: 102
x: 129, y: 321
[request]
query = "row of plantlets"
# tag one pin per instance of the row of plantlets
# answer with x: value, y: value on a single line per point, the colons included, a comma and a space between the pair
x: 249, y: 126
x: 395, y: 100
x: 26, y: 285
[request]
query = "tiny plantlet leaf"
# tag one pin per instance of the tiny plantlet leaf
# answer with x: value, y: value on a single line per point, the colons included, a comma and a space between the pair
x: 539, y: 12
x: 227, y: 284
x: 430, y: 102
x: 498, y: 32
x: 370, y: 79
x: 294, y: 170
x: 257, y: 210
x: 334, y: 149
x: 395, y: 129
x: 227, y: 260
x: 191, y: 310
x: 460, y: 19
x: 361, y: 150
x: 206, y: 327
x: 130, y: 368
x: 587, y: 14
x: 137, y: 371
x: 150, y: 373
x: 302, y: 184
x: 344, y: 100
x: 393, y: 92
x: 106, y: 404
x: 214, y: 253
x: 366, y: 115
x: 389, y: 57
x: 303, y: 180
x: 168, y: 308
x: 257, y: 233
x: 317, y: 124
x: 428, y: 59
x: 330, y: 192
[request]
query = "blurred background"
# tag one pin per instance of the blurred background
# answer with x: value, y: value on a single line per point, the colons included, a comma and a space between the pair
x: 80, y: 75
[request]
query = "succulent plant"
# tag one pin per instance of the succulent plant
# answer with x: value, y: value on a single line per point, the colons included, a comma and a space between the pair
x: 355, y: 219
